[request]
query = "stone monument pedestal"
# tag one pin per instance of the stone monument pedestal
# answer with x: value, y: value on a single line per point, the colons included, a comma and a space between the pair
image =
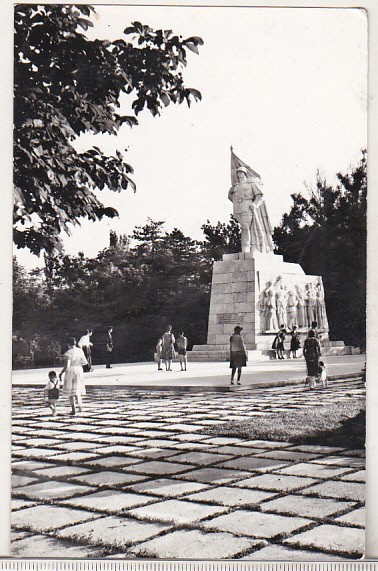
x: 237, y: 298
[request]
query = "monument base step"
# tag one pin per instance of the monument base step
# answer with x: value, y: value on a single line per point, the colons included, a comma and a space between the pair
x: 211, y: 353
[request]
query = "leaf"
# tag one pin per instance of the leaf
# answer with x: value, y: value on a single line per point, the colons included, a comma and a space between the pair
x: 165, y: 99
x: 196, y: 94
x: 85, y: 24
x: 192, y: 47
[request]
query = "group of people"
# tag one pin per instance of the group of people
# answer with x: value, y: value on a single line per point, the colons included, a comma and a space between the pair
x: 279, y: 342
x: 73, y: 381
x: 77, y: 361
x: 86, y: 345
x: 316, y: 370
x: 166, y: 349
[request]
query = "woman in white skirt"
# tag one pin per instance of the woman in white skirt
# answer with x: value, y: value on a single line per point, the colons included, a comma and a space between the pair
x: 74, y: 385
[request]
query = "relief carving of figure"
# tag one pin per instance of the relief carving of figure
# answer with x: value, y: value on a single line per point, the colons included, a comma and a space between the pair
x: 263, y: 308
x: 310, y: 304
x: 280, y: 301
x: 301, y: 314
x: 321, y: 315
x: 270, y: 309
x: 250, y: 211
x: 291, y: 309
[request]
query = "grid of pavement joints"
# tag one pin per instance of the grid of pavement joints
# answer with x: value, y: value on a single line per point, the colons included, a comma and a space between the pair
x: 136, y: 475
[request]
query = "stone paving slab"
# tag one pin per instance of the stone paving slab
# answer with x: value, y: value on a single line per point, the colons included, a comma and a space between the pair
x: 75, y: 456
x: 341, y: 490
x: 36, y: 453
x: 282, y: 553
x: 192, y: 446
x: 159, y: 468
x: 18, y: 504
x: 45, y: 517
x: 158, y: 443
x: 256, y: 524
x: 152, y: 454
x: 348, y: 461
x: 355, y: 517
x: 330, y: 538
x: 113, y: 531
x: 237, y: 450
x: 112, y: 462
x: 29, y: 465
x: 214, y: 475
x: 107, y: 478
x: 116, y: 449
x: 314, y: 471
x: 19, y: 481
x: 201, y: 458
x: 275, y: 482
x: 269, y: 445
x: 110, y: 501
x: 39, y: 545
x: 168, y: 488
x: 305, y: 506
x: 177, y: 511
x: 253, y: 464
x: 16, y: 535
x: 184, y: 544
x: 75, y: 446
x: 359, y: 476
x: 287, y: 455
x: 53, y: 489
x: 227, y: 496
x: 61, y: 471
x: 42, y: 442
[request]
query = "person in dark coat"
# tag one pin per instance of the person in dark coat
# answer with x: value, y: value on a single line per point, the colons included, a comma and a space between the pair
x: 109, y: 347
x: 311, y: 352
x: 294, y: 342
x: 280, y: 346
x: 238, y: 354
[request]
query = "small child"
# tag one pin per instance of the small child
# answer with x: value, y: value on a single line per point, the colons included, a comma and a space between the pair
x: 51, y: 392
x: 322, y: 374
x: 159, y: 347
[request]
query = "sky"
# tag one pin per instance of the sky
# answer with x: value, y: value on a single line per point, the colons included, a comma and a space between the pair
x: 286, y: 87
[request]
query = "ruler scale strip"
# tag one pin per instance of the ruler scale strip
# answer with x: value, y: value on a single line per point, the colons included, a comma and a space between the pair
x: 109, y: 565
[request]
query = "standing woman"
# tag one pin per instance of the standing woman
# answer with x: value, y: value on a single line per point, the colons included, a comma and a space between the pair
x: 74, y: 385
x: 168, y: 348
x: 182, y: 345
x: 311, y: 352
x: 281, y: 336
x: 238, y: 354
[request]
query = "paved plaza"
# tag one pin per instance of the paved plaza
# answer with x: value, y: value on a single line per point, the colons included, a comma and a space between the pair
x: 261, y: 372
x: 137, y: 475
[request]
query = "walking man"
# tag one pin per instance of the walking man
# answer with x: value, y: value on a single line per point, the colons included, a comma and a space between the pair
x: 86, y: 344
x: 109, y: 347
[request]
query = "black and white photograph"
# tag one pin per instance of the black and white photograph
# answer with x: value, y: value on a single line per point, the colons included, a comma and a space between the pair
x: 189, y: 282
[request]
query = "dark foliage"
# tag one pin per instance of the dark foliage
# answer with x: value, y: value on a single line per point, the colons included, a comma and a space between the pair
x: 66, y: 85
x: 326, y: 234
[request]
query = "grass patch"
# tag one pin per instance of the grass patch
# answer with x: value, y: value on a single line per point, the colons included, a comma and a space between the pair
x: 341, y: 424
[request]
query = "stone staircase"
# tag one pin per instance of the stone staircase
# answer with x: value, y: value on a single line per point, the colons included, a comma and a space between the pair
x: 263, y: 350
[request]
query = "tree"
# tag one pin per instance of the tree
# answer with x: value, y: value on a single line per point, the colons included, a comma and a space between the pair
x: 66, y: 85
x: 326, y: 233
x: 221, y: 239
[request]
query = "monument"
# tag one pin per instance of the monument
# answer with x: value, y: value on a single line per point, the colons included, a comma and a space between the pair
x: 255, y: 288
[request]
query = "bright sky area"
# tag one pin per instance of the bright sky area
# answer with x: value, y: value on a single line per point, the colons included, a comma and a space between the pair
x: 286, y: 87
